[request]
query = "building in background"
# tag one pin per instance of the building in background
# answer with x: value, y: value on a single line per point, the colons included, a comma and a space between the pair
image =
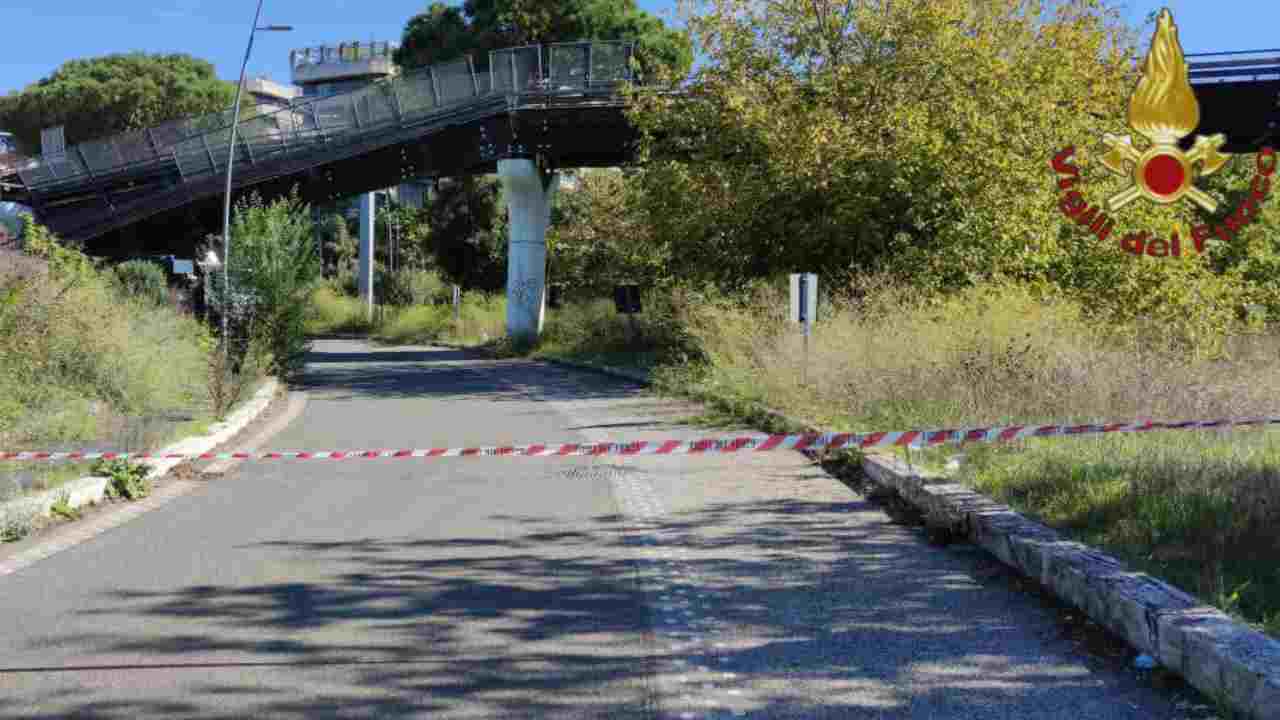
x: 270, y: 96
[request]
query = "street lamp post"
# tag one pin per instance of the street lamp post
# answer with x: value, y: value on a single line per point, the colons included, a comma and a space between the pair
x: 231, y: 156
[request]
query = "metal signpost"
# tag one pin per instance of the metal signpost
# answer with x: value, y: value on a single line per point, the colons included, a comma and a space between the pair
x: 804, y: 310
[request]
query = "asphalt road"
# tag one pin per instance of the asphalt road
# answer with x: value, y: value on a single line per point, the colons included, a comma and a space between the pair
x: 663, y: 587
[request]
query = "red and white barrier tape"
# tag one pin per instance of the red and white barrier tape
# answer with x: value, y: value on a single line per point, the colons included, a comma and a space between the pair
x: 754, y: 443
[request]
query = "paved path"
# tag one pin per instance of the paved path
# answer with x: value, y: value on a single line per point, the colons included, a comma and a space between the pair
x: 649, y: 587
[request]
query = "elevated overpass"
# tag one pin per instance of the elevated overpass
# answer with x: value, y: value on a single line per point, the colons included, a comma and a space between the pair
x: 558, y: 104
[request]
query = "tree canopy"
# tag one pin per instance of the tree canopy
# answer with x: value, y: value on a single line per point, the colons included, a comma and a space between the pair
x: 103, y: 96
x: 444, y: 32
x: 916, y: 137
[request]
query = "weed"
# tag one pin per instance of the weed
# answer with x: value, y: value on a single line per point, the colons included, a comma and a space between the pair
x: 61, y: 507
x: 127, y: 480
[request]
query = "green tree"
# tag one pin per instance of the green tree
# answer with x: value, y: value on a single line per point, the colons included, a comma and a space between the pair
x: 103, y: 96
x: 274, y: 267
x: 468, y: 232
x: 596, y: 239
x: 445, y: 33
x: 914, y: 137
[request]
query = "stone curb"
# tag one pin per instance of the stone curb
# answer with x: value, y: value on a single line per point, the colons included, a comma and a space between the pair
x: 1219, y: 656
x: 93, y: 489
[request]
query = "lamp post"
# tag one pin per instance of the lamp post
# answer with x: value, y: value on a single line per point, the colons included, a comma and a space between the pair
x: 207, y: 265
x: 231, y: 156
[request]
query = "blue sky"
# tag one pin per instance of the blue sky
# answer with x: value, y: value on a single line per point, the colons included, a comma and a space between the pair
x: 36, y: 36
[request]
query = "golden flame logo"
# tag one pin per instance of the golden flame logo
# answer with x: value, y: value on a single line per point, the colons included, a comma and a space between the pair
x: 1164, y: 110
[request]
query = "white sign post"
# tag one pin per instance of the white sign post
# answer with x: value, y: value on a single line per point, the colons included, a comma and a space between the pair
x: 804, y: 310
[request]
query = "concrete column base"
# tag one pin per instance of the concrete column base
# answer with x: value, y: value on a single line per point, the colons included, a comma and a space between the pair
x: 528, y: 194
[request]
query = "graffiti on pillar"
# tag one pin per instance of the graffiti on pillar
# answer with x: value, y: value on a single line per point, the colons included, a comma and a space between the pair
x: 526, y: 294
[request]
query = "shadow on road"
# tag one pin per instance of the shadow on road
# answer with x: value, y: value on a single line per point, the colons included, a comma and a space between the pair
x: 449, y: 374
x: 536, y: 623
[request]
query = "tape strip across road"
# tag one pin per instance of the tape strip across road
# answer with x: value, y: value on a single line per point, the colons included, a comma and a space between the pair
x: 747, y: 443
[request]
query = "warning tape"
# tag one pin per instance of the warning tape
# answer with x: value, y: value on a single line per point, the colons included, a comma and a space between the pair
x: 753, y: 443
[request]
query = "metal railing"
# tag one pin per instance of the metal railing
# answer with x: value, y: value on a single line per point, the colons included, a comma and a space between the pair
x: 199, y: 146
x: 343, y: 52
x: 1241, y: 65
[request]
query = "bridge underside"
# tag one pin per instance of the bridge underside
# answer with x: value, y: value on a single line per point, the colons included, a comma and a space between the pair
x: 160, y: 214
x: 1247, y: 112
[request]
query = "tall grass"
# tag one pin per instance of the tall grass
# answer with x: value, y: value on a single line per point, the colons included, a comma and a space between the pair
x: 1199, y: 509
x: 894, y: 360
x: 481, y: 318
x: 71, y: 354
x: 333, y: 312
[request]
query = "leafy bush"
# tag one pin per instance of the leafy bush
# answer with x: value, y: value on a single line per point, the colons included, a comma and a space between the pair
x: 127, y: 480
x: 425, y: 286
x: 142, y: 279
x: 274, y: 264
x: 394, y: 289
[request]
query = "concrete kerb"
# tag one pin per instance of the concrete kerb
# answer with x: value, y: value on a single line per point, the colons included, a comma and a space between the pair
x: 1217, y: 655
x: 92, y: 489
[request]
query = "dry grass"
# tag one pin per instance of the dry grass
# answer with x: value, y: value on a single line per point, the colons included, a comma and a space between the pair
x: 993, y: 355
x: 1197, y: 508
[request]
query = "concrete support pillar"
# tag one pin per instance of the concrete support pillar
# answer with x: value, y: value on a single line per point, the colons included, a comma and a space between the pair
x: 528, y: 194
x: 364, y: 271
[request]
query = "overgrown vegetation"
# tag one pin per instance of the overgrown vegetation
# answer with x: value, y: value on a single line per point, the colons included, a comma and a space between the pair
x: 142, y: 279
x: 273, y: 271
x: 87, y: 355
x: 126, y: 480
x: 75, y: 351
